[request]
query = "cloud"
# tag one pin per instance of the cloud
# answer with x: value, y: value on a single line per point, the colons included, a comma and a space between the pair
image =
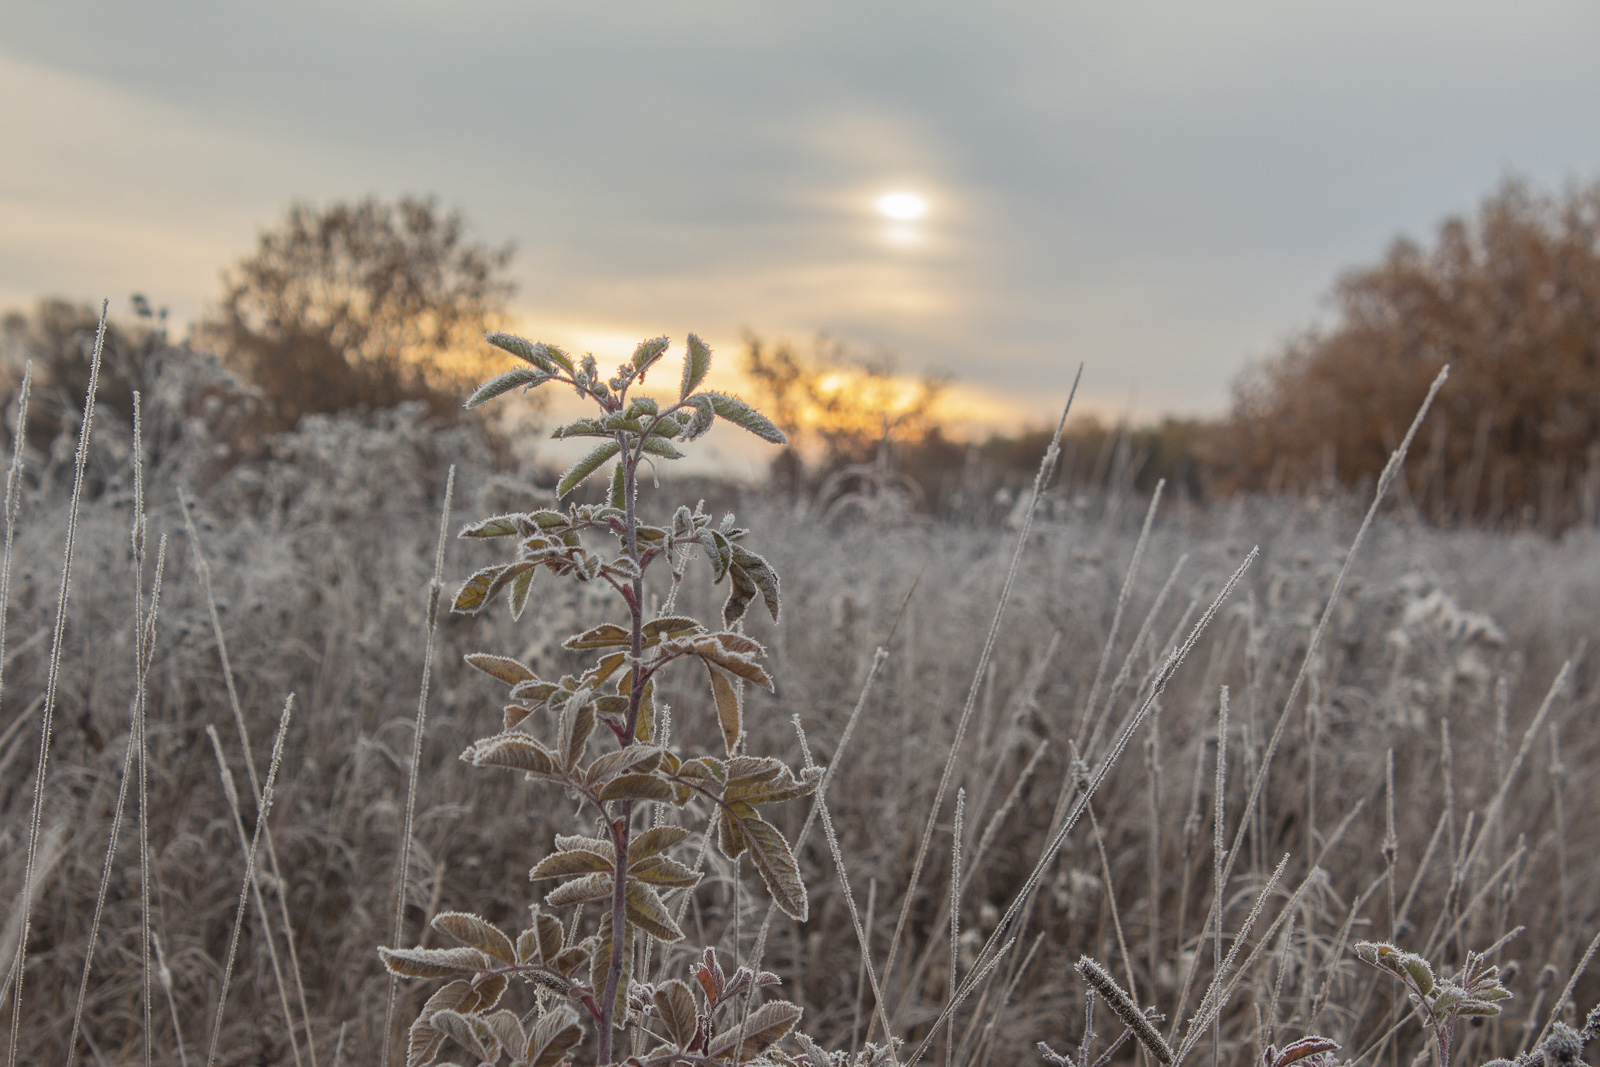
x: 1161, y: 190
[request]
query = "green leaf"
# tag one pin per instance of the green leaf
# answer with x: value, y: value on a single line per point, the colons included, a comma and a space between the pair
x: 618, y: 495
x: 1418, y: 969
x: 586, y: 466
x: 670, y: 425
x: 763, y: 1028
x: 507, y: 1030
x: 584, y: 428
x: 468, y: 1031
x: 568, y: 863
x: 517, y: 751
x: 729, y: 707
x: 659, y: 870
x: 577, y: 723
x: 676, y: 1007
x: 719, y: 551
x: 654, y: 841
x: 648, y: 352
x: 637, y: 787
x: 546, y: 357
x: 434, y: 962
x: 520, y: 585
x: 606, y: 635
x: 660, y: 446
x: 743, y: 415
x: 506, y: 382
x: 499, y: 526
x: 580, y: 891
x: 704, y: 415
x: 501, y: 668
x: 741, y: 591
x: 668, y: 626
x: 696, y: 364
x: 784, y: 786
x: 777, y: 865
x: 553, y: 1036
x: 632, y: 758
x: 476, y: 931
x: 644, y: 909
x: 474, y: 592
x: 761, y: 573
x: 600, y: 964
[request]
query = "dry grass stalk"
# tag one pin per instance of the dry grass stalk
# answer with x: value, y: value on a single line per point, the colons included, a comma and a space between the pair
x: 203, y: 569
x: 1046, y: 467
x: 20, y: 966
x: 262, y: 811
x: 435, y: 588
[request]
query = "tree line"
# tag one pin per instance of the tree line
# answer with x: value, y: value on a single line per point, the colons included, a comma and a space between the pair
x: 364, y: 305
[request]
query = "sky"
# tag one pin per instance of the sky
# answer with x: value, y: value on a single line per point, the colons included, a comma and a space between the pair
x: 1162, y: 191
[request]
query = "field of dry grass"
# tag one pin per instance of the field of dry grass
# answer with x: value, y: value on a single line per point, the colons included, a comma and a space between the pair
x: 1434, y: 784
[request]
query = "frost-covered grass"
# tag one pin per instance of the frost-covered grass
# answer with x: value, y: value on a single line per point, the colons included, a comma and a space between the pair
x: 1439, y: 656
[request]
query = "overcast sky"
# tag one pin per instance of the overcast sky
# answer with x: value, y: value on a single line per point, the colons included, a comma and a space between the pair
x: 1164, y: 191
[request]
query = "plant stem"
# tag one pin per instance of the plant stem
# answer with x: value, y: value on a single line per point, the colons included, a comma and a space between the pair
x: 621, y: 827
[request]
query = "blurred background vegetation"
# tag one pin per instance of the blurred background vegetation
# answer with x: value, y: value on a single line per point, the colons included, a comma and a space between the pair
x: 359, y: 307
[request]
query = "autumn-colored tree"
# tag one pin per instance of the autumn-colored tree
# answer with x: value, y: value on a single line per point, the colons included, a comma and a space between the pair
x: 361, y: 306
x: 842, y: 407
x: 1511, y: 301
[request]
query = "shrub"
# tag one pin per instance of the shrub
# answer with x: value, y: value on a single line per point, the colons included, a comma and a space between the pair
x: 642, y: 792
x: 1511, y: 300
x: 358, y: 306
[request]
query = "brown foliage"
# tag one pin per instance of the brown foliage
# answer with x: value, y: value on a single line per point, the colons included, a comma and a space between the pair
x: 1511, y: 300
x: 361, y: 306
x: 841, y: 404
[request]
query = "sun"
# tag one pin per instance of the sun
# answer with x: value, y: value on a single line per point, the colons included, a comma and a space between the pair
x: 902, y: 206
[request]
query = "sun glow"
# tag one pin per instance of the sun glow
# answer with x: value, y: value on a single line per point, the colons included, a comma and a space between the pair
x: 902, y: 206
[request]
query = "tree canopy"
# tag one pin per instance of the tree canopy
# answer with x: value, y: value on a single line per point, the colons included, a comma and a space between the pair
x: 1510, y: 300
x: 362, y: 305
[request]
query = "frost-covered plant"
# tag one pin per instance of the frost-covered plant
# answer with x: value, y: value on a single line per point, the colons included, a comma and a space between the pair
x: 1473, y: 991
x: 601, y: 737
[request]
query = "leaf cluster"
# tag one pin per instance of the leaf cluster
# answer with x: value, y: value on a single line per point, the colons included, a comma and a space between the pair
x: 1474, y: 991
x: 551, y: 731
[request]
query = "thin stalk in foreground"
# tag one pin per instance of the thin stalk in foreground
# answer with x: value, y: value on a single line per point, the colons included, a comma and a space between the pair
x: 1566, y: 992
x: 13, y: 491
x: 1053, y: 849
x: 1047, y: 466
x: 203, y: 569
x: 53, y: 679
x: 1391, y: 471
x: 144, y: 635
x: 262, y: 813
x: 231, y: 790
x: 434, y: 589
